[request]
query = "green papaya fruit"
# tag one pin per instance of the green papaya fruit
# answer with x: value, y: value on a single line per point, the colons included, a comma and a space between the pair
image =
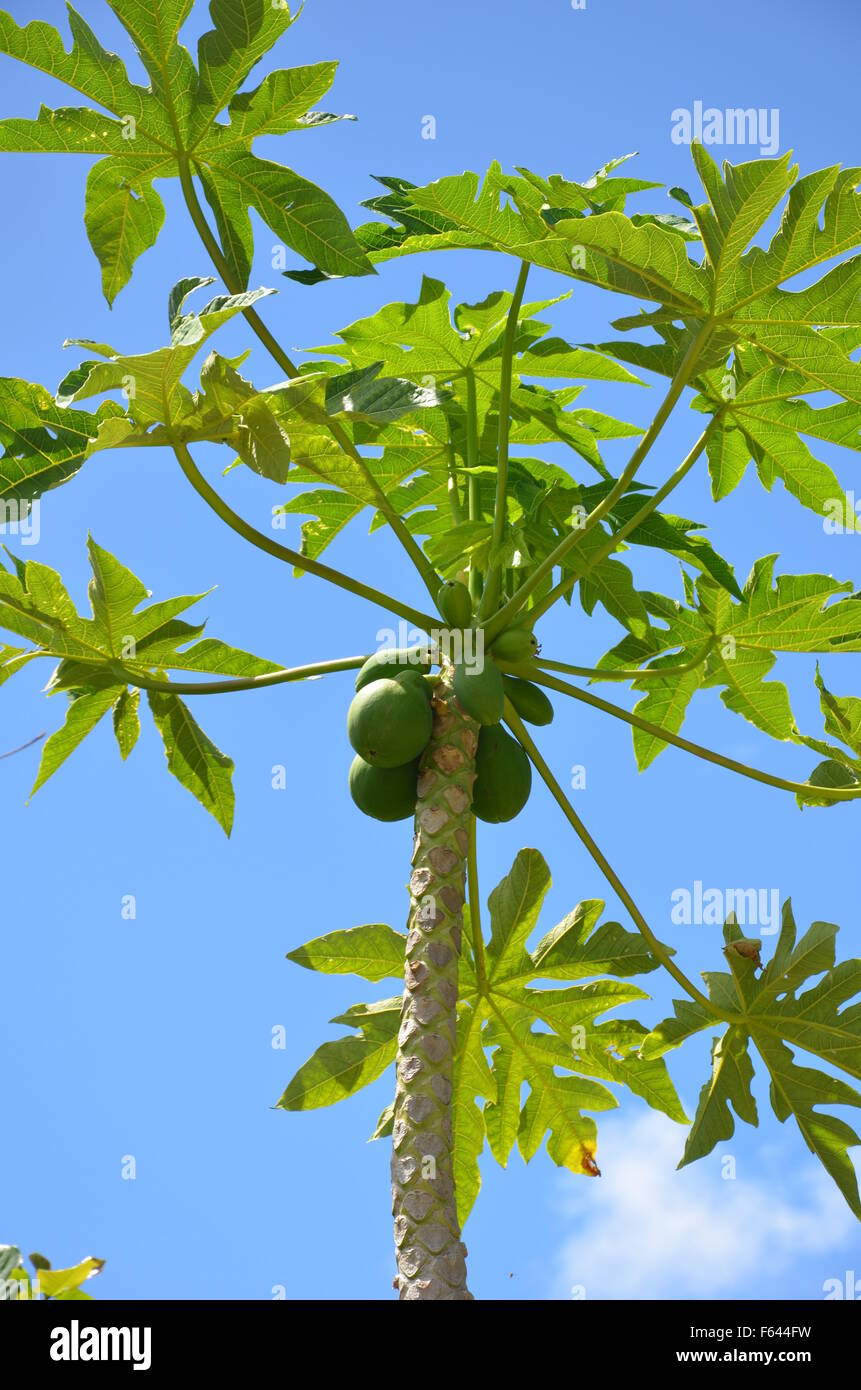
x: 388, y: 662
x: 503, y: 777
x: 529, y: 700
x: 385, y: 793
x: 389, y: 722
x: 455, y: 604
x: 413, y: 677
x: 515, y: 644
x: 480, y: 690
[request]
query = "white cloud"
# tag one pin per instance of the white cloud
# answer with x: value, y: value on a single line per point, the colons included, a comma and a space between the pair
x: 644, y: 1230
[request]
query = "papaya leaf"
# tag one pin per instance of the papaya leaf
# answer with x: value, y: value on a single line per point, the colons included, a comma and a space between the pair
x: 764, y: 421
x: 419, y: 340
x: 842, y: 715
x: 512, y: 1030
x: 665, y: 705
x: 829, y: 774
x: 840, y: 768
x: 127, y: 724
x: 672, y: 534
x: 790, y: 613
x: 372, y: 952
x: 12, y: 660
x: 385, y: 1124
x: 473, y: 1082
x: 429, y: 342
x: 43, y: 444
x: 193, y: 758
x: 454, y: 212
x: 10, y: 1259
x: 728, y: 1085
x: 272, y: 430
x: 153, y: 381
x: 762, y: 346
x: 17, y: 1285
x: 124, y: 216
x: 332, y: 510
x: 453, y: 356
x: 733, y: 645
x: 338, y: 1069
x: 126, y: 637
x: 83, y: 714
x: 171, y: 129
x: 608, y: 581
x: 786, y: 344
x: 824, y: 1020
x: 62, y: 1283
x: 535, y: 1032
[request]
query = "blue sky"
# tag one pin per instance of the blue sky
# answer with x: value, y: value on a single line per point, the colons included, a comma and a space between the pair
x: 152, y: 1037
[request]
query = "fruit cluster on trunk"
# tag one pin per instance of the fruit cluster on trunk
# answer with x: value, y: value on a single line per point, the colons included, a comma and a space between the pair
x: 431, y: 1257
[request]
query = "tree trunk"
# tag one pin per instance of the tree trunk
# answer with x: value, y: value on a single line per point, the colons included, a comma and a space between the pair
x: 431, y: 1258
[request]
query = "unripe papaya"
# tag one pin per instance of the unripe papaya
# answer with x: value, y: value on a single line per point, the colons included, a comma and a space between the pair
x: 388, y: 662
x: 385, y: 793
x: 455, y: 604
x: 503, y: 777
x: 529, y: 700
x: 413, y: 676
x: 515, y: 644
x: 389, y: 722
x: 480, y: 691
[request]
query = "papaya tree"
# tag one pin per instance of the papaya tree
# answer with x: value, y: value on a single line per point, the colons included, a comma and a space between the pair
x: 431, y: 417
